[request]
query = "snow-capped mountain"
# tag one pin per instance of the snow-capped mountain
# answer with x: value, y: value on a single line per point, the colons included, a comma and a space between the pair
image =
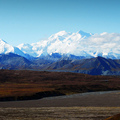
x: 6, y: 48
x: 61, y: 42
x: 67, y: 43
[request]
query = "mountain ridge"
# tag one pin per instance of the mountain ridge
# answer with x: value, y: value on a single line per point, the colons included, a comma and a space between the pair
x: 92, y: 66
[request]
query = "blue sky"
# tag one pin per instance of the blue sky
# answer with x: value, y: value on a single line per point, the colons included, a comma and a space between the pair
x: 29, y: 21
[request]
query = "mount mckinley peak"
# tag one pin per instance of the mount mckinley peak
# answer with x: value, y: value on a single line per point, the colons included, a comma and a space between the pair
x: 79, y: 44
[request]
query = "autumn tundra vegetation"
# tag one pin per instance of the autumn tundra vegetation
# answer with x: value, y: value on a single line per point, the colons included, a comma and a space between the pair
x: 25, y: 84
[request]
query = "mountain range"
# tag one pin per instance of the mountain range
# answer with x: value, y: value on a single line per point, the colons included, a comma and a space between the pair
x: 95, y: 54
x: 79, y: 44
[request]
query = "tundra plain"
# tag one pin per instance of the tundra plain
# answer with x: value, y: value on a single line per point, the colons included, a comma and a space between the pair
x: 36, y: 95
